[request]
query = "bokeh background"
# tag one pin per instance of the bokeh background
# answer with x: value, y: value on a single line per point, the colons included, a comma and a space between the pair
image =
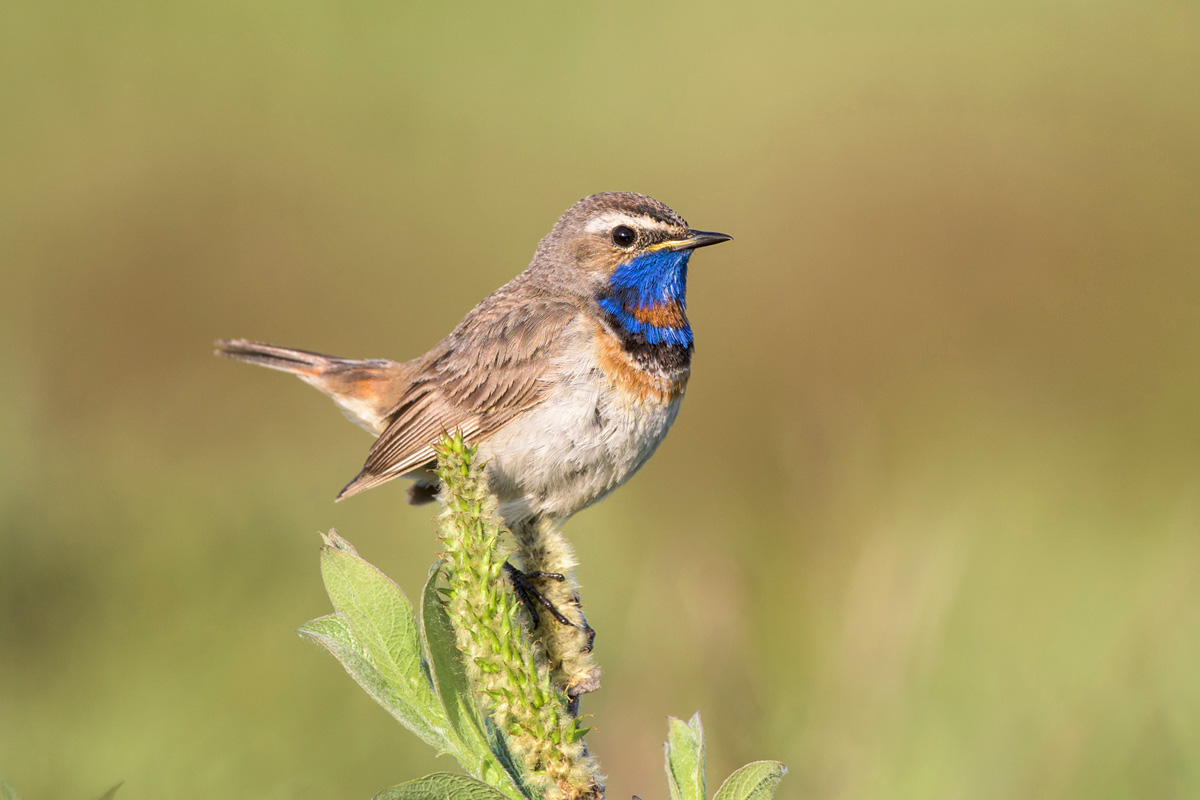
x: 928, y: 525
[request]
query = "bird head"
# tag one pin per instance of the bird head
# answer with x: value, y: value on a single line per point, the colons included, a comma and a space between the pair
x: 630, y: 252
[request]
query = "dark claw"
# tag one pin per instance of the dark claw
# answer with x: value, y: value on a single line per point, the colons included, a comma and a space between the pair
x: 530, y: 597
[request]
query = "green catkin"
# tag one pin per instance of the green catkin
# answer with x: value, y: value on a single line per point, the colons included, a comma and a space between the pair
x: 522, y: 688
x: 543, y: 548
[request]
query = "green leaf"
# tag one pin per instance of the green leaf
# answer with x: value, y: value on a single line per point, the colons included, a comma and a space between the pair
x: 334, y: 633
x: 332, y: 539
x: 449, y: 675
x: 7, y: 792
x: 755, y: 781
x: 381, y: 619
x: 332, y: 626
x: 441, y: 786
x: 684, y: 751
x: 459, y: 701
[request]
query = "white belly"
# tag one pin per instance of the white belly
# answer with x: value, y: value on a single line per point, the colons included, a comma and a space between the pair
x: 573, y: 449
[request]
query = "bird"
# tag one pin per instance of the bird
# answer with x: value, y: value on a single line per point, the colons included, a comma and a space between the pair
x: 566, y: 379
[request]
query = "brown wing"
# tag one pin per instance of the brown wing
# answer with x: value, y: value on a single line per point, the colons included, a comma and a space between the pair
x: 493, y: 367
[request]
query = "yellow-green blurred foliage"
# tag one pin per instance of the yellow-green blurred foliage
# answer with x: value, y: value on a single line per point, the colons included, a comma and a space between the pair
x: 927, y: 526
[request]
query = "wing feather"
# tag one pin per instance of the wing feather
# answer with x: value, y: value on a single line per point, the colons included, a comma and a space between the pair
x: 496, y: 365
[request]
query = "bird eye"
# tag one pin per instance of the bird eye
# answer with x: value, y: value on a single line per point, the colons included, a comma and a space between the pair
x: 623, y: 236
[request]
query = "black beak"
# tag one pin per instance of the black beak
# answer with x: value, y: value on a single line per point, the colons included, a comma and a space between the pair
x: 699, y: 239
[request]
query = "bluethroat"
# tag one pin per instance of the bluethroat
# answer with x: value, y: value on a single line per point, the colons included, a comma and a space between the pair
x: 566, y: 378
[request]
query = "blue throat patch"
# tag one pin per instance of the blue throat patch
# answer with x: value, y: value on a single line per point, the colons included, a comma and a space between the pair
x: 652, y: 279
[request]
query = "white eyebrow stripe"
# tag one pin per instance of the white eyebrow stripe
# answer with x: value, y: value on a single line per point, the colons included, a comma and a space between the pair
x: 611, y: 219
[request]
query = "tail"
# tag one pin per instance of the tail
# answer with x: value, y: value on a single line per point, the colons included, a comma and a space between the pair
x: 365, y: 391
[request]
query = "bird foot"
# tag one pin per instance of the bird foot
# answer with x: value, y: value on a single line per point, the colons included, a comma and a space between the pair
x: 531, y: 598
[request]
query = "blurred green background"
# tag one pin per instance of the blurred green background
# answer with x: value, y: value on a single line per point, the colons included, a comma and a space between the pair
x: 927, y: 527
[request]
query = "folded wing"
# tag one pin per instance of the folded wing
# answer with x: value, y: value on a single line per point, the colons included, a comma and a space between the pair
x: 496, y: 365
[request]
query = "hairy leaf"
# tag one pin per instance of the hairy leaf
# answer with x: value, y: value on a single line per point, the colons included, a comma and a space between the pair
x: 685, y: 758
x: 335, y: 634
x: 441, y: 786
x: 382, y: 620
x: 449, y: 674
x: 755, y: 781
